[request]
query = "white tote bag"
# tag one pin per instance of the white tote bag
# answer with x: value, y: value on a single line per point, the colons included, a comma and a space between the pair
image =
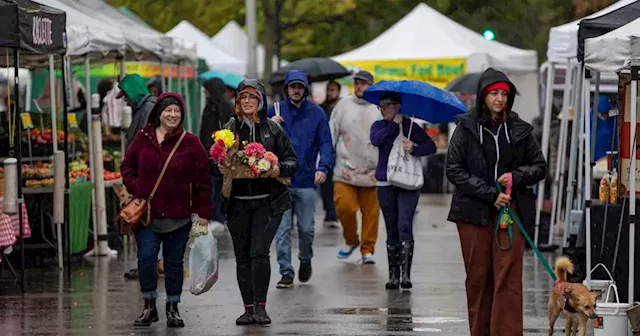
x: 403, y: 169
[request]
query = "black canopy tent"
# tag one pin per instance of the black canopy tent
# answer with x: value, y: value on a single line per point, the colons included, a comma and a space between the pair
x: 30, y: 32
x: 603, y: 24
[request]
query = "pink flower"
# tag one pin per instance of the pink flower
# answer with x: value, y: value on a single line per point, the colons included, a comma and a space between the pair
x: 218, y: 153
x: 272, y: 158
x: 254, y: 149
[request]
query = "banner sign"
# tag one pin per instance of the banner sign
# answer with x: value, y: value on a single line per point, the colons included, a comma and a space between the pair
x: 437, y: 72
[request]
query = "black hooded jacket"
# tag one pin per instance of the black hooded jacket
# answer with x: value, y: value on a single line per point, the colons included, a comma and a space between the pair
x: 471, y: 160
x: 274, y: 139
x: 216, y: 112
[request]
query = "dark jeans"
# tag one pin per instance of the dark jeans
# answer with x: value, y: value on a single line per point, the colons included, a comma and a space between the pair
x: 174, y: 244
x: 252, y: 226
x: 398, y: 208
x: 216, y: 199
x: 326, y: 191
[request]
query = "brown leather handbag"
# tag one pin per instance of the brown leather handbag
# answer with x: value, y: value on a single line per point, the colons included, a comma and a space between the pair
x: 139, y: 209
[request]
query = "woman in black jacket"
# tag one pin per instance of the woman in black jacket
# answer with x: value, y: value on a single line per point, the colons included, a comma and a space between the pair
x: 492, y: 144
x: 255, y: 206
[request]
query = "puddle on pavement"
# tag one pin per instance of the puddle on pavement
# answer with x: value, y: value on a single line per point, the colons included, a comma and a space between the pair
x: 400, y: 319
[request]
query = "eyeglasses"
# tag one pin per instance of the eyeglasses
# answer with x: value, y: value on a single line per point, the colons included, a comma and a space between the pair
x: 385, y: 105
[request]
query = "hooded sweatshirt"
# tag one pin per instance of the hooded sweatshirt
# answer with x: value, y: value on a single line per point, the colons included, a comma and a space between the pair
x: 308, y: 129
x: 216, y: 112
x: 356, y: 157
x: 135, y: 87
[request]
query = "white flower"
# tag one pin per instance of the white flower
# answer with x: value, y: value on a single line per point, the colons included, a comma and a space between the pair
x: 264, y: 165
x: 252, y: 160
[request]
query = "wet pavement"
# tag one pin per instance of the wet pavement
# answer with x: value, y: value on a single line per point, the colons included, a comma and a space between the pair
x: 342, y: 297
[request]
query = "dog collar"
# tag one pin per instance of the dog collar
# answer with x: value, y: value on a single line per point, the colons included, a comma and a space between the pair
x: 568, y: 307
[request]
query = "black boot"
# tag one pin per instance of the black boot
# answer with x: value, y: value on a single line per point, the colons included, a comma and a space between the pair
x: 173, y: 316
x: 406, y: 257
x: 393, y: 252
x: 149, y: 314
x: 247, y: 317
x: 261, y: 316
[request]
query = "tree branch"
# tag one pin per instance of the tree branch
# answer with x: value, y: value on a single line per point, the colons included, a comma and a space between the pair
x: 305, y: 20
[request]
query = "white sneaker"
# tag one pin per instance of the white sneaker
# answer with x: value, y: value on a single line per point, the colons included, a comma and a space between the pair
x: 332, y: 224
x: 368, y: 259
x: 217, y: 227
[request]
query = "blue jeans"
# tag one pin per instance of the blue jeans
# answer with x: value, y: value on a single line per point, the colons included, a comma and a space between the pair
x: 304, y: 207
x: 398, y: 208
x: 174, y: 244
x: 216, y: 199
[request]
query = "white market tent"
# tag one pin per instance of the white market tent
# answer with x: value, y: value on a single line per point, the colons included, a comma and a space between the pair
x: 614, y: 51
x: 215, y: 57
x: 426, y: 34
x: 563, y: 39
x: 234, y: 40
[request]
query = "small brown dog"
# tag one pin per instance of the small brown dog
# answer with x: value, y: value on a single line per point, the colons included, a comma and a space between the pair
x: 573, y: 299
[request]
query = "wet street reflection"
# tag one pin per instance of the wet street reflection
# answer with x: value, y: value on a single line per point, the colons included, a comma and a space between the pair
x: 343, y: 297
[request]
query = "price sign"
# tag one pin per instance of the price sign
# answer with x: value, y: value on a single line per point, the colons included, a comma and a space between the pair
x: 27, y: 123
x: 71, y: 118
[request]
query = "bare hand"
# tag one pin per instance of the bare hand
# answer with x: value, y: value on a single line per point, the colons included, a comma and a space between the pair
x: 408, y: 145
x: 503, y: 199
x: 223, y: 169
x: 503, y: 179
x: 275, y: 171
x: 278, y: 119
x: 321, y: 177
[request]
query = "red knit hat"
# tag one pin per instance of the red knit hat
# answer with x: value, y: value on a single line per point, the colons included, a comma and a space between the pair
x: 497, y: 86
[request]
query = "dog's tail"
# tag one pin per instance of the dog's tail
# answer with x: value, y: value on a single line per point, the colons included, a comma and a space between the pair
x: 563, y: 266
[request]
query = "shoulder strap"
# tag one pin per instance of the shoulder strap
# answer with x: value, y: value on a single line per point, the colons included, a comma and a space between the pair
x: 276, y: 108
x: 166, y: 163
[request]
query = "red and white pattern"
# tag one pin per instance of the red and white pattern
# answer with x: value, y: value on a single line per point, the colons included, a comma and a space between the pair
x: 10, y: 227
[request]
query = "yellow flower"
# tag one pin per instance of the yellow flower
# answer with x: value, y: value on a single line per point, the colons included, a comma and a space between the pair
x: 226, y: 136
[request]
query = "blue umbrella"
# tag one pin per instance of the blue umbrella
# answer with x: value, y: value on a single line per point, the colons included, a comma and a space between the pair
x: 229, y: 79
x: 419, y: 99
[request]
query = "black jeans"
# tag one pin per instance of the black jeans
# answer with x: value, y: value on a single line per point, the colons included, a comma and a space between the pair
x: 253, y: 226
x: 216, y: 199
x: 326, y: 191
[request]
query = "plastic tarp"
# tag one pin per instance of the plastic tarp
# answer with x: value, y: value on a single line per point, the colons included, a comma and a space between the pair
x: 603, y: 24
x: 85, y: 35
x: 563, y: 39
x: 235, y: 41
x: 215, y: 58
x: 425, y: 33
x: 33, y: 28
x: 614, y: 51
x: 145, y: 43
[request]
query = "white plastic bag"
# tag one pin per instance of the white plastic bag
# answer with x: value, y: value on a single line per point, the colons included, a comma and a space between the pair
x: 403, y: 169
x: 203, y: 263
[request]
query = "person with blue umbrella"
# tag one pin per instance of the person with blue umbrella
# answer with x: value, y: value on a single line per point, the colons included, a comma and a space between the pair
x: 492, y: 158
x: 398, y: 204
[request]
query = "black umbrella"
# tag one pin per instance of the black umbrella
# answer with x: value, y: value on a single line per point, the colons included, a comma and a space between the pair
x: 465, y: 84
x: 318, y: 69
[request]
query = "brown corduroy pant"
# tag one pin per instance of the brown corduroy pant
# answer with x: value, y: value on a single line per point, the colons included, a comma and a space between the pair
x: 494, y: 280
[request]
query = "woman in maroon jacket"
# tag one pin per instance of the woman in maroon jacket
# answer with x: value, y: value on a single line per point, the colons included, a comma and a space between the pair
x: 184, y: 190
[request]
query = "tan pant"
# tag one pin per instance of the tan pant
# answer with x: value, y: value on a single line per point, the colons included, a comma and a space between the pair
x: 494, y: 280
x: 349, y: 200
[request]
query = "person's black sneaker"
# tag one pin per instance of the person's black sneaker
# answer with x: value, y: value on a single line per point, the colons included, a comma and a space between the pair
x: 304, y: 273
x: 131, y: 275
x: 285, y: 282
x: 247, y: 317
x: 261, y: 316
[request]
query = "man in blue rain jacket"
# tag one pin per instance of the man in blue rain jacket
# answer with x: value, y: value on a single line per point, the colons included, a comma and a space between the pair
x: 307, y: 126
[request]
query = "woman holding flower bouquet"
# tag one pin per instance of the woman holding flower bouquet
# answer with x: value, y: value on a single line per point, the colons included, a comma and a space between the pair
x: 255, y: 158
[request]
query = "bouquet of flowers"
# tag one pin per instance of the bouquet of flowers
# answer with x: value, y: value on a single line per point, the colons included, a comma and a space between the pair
x: 253, y: 161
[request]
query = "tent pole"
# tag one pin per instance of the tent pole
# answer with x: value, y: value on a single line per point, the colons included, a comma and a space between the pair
x: 596, y: 110
x: 52, y: 97
x: 18, y: 144
x: 65, y: 125
x: 632, y: 179
x: 92, y: 170
x: 546, y: 125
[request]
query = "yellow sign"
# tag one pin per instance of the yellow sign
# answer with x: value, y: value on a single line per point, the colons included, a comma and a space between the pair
x: 73, y: 122
x: 437, y: 72
x: 27, y: 123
